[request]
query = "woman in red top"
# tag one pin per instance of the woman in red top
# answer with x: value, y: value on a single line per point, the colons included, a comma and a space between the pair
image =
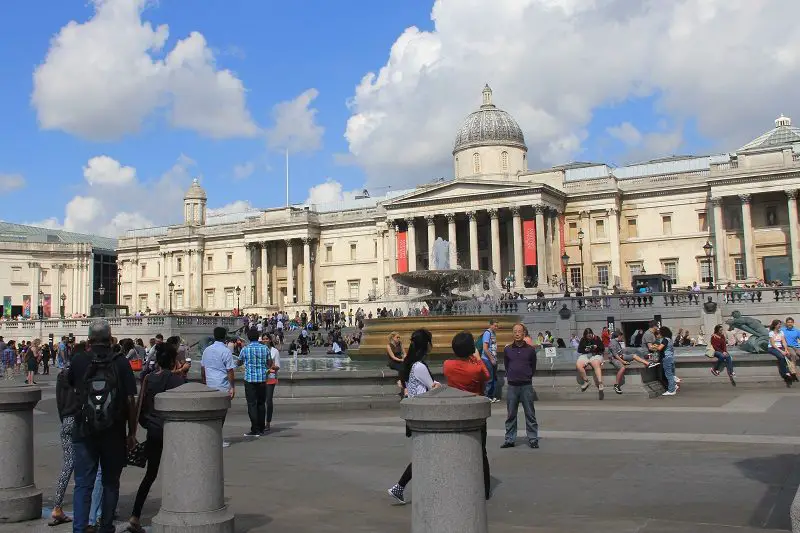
x: 606, y: 337
x: 720, y: 347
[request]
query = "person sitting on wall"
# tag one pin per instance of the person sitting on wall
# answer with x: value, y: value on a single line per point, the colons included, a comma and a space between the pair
x: 621, y: 357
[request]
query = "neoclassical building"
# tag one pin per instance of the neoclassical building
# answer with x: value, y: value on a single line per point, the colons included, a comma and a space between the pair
x: 588, y: 223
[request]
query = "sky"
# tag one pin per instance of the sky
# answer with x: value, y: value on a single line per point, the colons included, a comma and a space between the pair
x: 109, y: 108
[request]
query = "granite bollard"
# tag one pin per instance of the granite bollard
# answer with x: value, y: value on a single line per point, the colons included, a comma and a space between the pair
x: 20, y: 500
x: 192, y: 474
x: 794, y: 512
x: 448, y: 492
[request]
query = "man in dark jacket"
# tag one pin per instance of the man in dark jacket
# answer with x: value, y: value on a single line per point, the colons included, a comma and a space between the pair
x: 519, y: 359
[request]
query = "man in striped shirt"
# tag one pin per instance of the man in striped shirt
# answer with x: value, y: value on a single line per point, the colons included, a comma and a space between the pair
x: 257, y: 361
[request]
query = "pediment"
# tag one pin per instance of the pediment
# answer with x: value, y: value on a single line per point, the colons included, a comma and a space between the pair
x: 462, y: 190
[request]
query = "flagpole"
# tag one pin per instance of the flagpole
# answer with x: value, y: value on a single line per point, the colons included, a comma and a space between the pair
x: 287, y: 177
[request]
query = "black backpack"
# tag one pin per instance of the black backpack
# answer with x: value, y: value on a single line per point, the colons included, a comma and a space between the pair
x: 101, y: 402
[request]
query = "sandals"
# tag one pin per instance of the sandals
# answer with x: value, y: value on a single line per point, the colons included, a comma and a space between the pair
x: 58, y: 520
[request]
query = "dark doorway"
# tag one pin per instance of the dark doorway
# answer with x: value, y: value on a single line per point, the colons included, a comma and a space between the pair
x: 778, y: 268
x: 629, y: 327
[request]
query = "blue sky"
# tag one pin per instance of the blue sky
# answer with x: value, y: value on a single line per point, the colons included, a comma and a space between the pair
x: 278, y: 50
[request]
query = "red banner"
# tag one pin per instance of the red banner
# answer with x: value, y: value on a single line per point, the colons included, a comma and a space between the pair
x: 402, y: 252
x: 563, y: 244
x: 529, y: 242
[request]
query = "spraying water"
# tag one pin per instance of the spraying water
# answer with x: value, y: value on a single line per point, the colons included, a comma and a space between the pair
x: 441, y: 255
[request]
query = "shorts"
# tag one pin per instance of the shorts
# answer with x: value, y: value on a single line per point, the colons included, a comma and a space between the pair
x: 616, y: 363
x: 586, y: 359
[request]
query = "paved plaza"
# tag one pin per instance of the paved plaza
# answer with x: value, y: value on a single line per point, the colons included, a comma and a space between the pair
x: 701, y: 462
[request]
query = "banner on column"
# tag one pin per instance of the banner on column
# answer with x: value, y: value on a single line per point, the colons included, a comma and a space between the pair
x: 563, y: 249
x: 7, y: 306
x: 47, y: 304
x: 402, y: 251
x: 529, y: 242
x: 26, y: 305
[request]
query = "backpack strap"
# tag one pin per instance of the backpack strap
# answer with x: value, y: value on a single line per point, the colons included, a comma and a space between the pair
x: 139, y: 401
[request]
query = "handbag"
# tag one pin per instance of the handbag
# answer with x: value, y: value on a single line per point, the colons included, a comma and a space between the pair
x: 136, y: 457
x: 710, y: 351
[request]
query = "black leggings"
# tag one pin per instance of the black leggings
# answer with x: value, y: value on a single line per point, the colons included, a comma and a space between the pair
x: 270, y: 393
x: 487, y: 476
x: 152, y: 450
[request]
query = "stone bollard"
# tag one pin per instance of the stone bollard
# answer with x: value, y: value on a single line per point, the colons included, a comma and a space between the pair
x: 20, y: 500
x: 794, y: 512
x: 192, y: 476
x: 448, y: 491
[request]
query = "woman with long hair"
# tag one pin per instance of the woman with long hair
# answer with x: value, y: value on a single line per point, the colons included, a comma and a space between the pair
x: 395, y: 353
x: 32, y: 357
x: 777, y: 348
x: 720, y: 348
x: 418, y: 380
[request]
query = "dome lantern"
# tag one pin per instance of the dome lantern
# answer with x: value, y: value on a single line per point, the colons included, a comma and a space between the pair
x: 489, y: 126
x: 194, y: 205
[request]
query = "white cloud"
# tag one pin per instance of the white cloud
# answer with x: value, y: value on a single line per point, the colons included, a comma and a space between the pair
x: 644, y: 146
x: 243, y: 170
x: 103, y: 78
x: 239, y: 206
x: 296, y: 125
x: 329, y: 191
x: 108, y: 206
x: 626, y: 133
x: 11, y: 182
x: 551, y: 63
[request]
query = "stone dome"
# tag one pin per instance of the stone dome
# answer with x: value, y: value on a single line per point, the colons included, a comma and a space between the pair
x: 195, y: 192
x: 489, y: 126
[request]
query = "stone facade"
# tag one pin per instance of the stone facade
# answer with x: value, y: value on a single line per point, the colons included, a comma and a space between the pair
x: 607, y: 223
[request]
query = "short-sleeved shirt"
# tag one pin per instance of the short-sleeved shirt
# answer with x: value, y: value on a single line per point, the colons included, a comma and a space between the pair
x: 776, y: 338
x: 466, y: 374
x: 217, y: 360
x: 490, y: 339
x: 648, y: 338
x: 792, y: 336
x: 420, y: 380
x: 615, y: 347
x: 255, y: 357
x: 272, y: 376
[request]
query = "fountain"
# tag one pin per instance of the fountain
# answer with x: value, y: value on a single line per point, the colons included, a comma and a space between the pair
x: 457, y: 300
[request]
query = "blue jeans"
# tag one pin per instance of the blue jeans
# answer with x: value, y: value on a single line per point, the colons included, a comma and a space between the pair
x: 668, y: 364
x: 491, y: 385
x: 723, y: 359
x: 782, y: 368
x: 97, y: 497
x: 108, y: 451
x: 521, y: 394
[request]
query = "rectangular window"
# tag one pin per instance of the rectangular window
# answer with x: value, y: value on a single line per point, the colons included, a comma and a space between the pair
x: 43, y: 276
x: 635, y: 269
x: 210, y: 299
x: 210, y: 262
x: 666, y: 224
x: 354, y: 292
x: 600, y: 229
x: 179, y: 264
x: 702, y: 222
x: 328, y: 253
x: 352, y: 252
x: 633, y: 229
x: 142, y: 302
x: 575, y: 277
x: 144, y: 270
x: 330, y: 293
x: 739, y: 268
x: 733, y: 219
x: 179, y: 299
x: 602, y: 275
x: 573, y: 232
x: 375, y: 286
x: 670, y: 268
x: 771, y: 215
x: 126, y: 300
x: 705, y: 271
x: 157, y: 302
x: 229, y: 261
x: 229, y: 299
x: 16, y: 274
x: 375, y: 249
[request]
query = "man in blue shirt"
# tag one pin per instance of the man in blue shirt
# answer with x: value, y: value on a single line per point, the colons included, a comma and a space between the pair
x: 216, y: 367
x: 256, y: 360
x: 489, y: 356
x: 792, y: 336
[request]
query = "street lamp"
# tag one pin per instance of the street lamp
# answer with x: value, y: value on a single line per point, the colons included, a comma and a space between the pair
x: 119, y: 285
x: 40, y: 307
x: 171, y: 287
x: 580, y: 247
x: 102, y: 291
x: 708, y: 248
x: 564, y: 263
x: 238, y: 307
x: 63, y: 303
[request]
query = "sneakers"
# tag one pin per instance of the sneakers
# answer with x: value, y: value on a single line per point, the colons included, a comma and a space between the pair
x: 251, y: 434
x: 601, y: 391
x: 653, y: 364
x: 617, y: 389
x: 495, y: 400
x: 668, y: 393
x: 396, y: 492
x: 534, y: 444
x: 678, y: 380
x: 715, y: 371
x: 507, y: 445
x: 585, y: 385
x: 226, y: 444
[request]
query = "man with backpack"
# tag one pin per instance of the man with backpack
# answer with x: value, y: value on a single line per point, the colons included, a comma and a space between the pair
x: 104, y: 425
x: 488, y: 352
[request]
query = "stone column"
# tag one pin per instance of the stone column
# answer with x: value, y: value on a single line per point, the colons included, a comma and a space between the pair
x: 474, y: 262
x: 56, y: 297
x: 289, y: 271
x: 134, y: 285
x: 613, y: 238
x: 555, y: 250
x: 720, y: 244
x: 264, y: 274
x: 192, y: 498
x: 541, y: 259
x: 198, y: 278
x: 380, y: 263
x: 586, y: 273
x: 451, y: 238
x: 187, y: 279
x: 747, y: 230
x: 20, y: 500
x: 36, y: 276
x: 163, y: 272
x: 392, y: 247
x: 431, y: 220
x: 73, y: 292
x: 519, y: 261
x: 446, y: 428
x: 411, y: 245
x: 307, y: 270
x: 494, y: 222
x: 794, y: 245
x: 249, y: 248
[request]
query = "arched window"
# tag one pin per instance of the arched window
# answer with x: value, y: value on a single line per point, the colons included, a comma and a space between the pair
x: 504, y: 161
x: 476, y: 163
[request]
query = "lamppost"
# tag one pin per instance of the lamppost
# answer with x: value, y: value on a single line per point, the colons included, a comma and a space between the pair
x: 40, y: 307
x: 708, y: 248
x: 580, y: 247
x: 312, y: 257
x: 238, y: 307
x: 564, y: 263
x: 119, y: 285
x: 63, y: 304
x: 171, y: 287
x: 102, y: 291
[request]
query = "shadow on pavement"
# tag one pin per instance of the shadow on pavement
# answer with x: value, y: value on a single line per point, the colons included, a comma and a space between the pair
x: 781, y: 474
